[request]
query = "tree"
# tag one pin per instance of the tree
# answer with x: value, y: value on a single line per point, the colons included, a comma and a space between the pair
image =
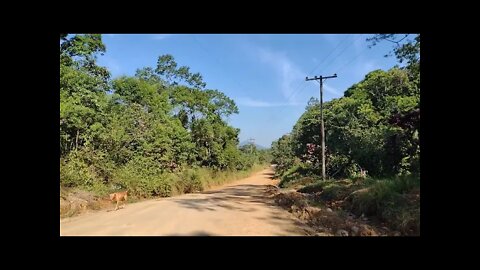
x: 167, y: 69
x: 81, y: 51
x: 409, y: 51
x: 135, y: 131
x: 83, y: 87
x: 283, y: 155
x: 372, y: 127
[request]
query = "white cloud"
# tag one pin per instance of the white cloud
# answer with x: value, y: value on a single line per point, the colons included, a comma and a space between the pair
x: 364, y: 67
x: 115, y: 67
x: 331, y: 90
x: 249, y: 102
x: 332, y: 38
x: 112, y: 64
x: 290, y: 75
x: 160, y: 36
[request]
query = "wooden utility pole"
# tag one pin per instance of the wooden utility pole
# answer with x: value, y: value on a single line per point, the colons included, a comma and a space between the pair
x: 321, y: 78
x: 252, y: 143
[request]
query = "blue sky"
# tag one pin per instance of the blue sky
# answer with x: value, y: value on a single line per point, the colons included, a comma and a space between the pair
x: 263, y: 73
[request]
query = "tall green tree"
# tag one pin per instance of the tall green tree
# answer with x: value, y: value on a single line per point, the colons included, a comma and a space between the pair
x: 134, y: 131
x: 372, y: 127
x: 83, y: 86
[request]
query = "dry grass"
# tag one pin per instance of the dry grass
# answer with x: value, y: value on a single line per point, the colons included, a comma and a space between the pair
x: 74, y: 201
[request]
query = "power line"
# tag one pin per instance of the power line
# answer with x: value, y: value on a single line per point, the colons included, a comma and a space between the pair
x: 351, y: 61
x: 353, y: 42
x: 338, y: 69
x: 357, y: 38
x: 298, y: 90
x: 361, y: 52
x: 321, y: 62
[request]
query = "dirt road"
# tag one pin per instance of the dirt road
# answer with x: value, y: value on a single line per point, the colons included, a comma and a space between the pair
x: 241, y: 208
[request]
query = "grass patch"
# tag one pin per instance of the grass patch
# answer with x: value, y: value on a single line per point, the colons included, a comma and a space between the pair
x: 315, y: 187
x: 301, y: 174
x: 142, y: 183
x: 395, y: 201
x: 330, y: 189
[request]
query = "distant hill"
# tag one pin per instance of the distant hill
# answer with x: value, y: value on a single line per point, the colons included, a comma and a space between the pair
x: 259, y: 147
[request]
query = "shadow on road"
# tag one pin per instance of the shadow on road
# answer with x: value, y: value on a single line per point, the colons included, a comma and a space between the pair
x: 231, y: 198
x: 269, y: 174
x: 240, y: 198
x: 196, y: 233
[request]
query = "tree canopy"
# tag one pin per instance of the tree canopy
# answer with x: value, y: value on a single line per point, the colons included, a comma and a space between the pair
x: 374, y: 126
x: 131, y: 128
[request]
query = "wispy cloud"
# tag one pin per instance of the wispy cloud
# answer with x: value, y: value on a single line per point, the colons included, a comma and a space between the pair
x: 160, y: 36
x: 249, y: 102
x: 331, y: 38
x: 331, y: 90
x: 363, y: 67
x: 359, y: 42
x: 290, y: 75
x: 112, y: 64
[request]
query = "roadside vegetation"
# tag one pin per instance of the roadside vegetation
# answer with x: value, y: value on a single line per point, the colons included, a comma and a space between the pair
x: 158, y: 133
x: 372, y: 147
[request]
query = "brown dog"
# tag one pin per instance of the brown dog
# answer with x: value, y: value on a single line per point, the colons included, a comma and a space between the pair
x: 119, y: 196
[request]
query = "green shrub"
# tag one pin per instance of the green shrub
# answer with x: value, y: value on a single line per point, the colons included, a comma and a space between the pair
x: 335, y: 191
x: 296, y: 172
x: 191, y: 181
x: 75, y: 172
x: 315, y: 187
x: 391, y: 201
x: 143, y: 177
x: 161, y: 185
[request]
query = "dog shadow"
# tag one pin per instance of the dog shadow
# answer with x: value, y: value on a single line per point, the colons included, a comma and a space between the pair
x: 119, y: 208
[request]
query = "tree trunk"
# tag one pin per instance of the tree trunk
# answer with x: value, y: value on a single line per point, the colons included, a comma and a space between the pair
x: 76, y: 141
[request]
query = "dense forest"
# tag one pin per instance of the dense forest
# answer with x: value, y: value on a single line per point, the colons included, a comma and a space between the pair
x: 157, y: 133
x: 372, y: 140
